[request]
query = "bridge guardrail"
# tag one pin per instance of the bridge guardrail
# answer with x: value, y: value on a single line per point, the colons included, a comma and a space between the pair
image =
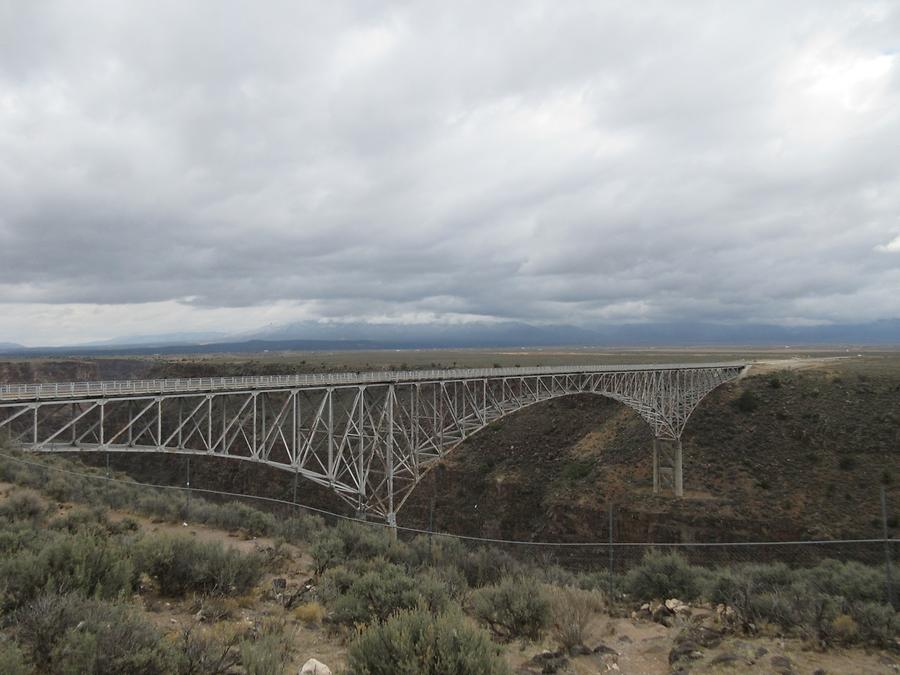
x: 102, y: 388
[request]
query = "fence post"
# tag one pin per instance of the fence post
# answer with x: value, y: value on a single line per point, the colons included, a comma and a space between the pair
x: 188, y: 485
x: 889, y: 582
x: 610, y: 571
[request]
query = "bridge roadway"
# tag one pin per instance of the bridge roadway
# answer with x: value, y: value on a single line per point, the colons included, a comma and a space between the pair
x: 368, y: 436
x: 106, y: 388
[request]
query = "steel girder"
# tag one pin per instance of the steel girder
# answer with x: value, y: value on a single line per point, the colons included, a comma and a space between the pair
x: 370, y: 442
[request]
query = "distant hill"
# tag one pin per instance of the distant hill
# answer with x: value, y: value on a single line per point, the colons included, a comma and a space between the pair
x: 334, y: 336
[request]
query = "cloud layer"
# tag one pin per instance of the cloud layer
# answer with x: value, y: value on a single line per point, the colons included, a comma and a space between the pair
x: 208, y: 165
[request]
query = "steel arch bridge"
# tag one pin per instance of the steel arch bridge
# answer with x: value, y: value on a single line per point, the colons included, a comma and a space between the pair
x: 370, y: 437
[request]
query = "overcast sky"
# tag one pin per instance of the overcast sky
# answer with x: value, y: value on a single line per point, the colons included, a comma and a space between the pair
x: 178, y: 166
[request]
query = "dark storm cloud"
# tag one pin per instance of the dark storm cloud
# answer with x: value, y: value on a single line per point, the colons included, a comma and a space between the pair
x: 574, y: 162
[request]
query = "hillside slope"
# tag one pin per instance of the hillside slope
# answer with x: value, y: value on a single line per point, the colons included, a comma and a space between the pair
x: 784, y: 455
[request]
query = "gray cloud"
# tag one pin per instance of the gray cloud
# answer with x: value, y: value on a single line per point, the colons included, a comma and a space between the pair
x: 581, y: 162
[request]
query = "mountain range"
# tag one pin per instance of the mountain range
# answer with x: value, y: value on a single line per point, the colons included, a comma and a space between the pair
x: 331, y: 336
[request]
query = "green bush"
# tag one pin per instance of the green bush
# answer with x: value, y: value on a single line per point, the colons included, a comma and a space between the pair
x: 233, y: 516
x: 68, y: 634
x: 661, y: 576
x: 878, y: 624
x: 514, y: 608
x: 12, y: 661
x: 24, y: 505
x: 418, y: 643
x: 326, y: 551
x: 486, y: 565
x: 375, y: 595
x: 87, y: 564
x: 850, y: 580
x: 181, y: 565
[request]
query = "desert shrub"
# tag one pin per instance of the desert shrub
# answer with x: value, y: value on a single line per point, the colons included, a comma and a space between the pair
x: 215, y: 608
x: 233, y: 516
x: 24, y: 505
x: 417, y: 643
x: 361, y: 541
x: 571, y: 612
x: 451, y: 578
x: 554, y: 575
x: 267, y: 652
x: 850, y: 580
x: 157, y: 505
x: 335, y: 583
x: 487, y: 565
x: 181, y: 565
x: 310, y: 613
x: 747, y: 402
x: 878, y: 624
x: 12, y: 660
x: 60, y: 488
x: 844, y: 629
x: 299, y: 527
x: 514, y: 608
x: 68, y: 634
x: 205, y: 652
x: 435, y: 589
x: 86, y: 564
x: 375, y: 595
x: 810, y: 601
x: 663, y: 575
x: 81, y: 519
x: 326, y: 551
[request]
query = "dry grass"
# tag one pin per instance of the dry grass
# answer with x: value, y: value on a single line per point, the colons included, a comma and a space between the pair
x: 310, y: 613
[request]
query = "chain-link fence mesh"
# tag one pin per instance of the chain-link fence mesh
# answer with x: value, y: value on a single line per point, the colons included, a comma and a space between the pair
x: 863, y: 569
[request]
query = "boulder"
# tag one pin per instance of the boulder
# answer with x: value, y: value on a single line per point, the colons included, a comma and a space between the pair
x: 781, y: 665
x: 728, y: 660
x: 676, y: 606
x: 314, y: 667
x: 685, y: 651
x: 550, y: 662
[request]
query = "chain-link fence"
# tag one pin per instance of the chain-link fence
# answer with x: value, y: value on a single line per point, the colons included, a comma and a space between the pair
x: 855, y: 570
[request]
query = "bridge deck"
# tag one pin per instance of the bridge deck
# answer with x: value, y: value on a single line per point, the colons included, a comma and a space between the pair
x: 13, y: 393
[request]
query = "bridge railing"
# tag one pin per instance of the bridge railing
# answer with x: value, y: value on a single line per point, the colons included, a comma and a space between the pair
x: 107, y: 388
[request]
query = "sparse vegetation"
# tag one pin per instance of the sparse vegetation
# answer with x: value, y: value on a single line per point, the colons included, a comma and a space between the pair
x: 572, y: 610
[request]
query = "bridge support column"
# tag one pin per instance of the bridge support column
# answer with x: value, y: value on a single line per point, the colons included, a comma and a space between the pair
x: 392, y: 524
x: 667, y: 466
x: 679, y: 482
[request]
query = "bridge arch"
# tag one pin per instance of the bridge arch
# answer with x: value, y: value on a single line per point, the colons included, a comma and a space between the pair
x: 369, y: 437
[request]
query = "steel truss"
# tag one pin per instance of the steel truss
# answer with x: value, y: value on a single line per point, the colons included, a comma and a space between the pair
x: 368, y: 437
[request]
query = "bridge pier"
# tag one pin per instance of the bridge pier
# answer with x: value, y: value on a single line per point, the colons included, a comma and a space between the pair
x: 668, y: 473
